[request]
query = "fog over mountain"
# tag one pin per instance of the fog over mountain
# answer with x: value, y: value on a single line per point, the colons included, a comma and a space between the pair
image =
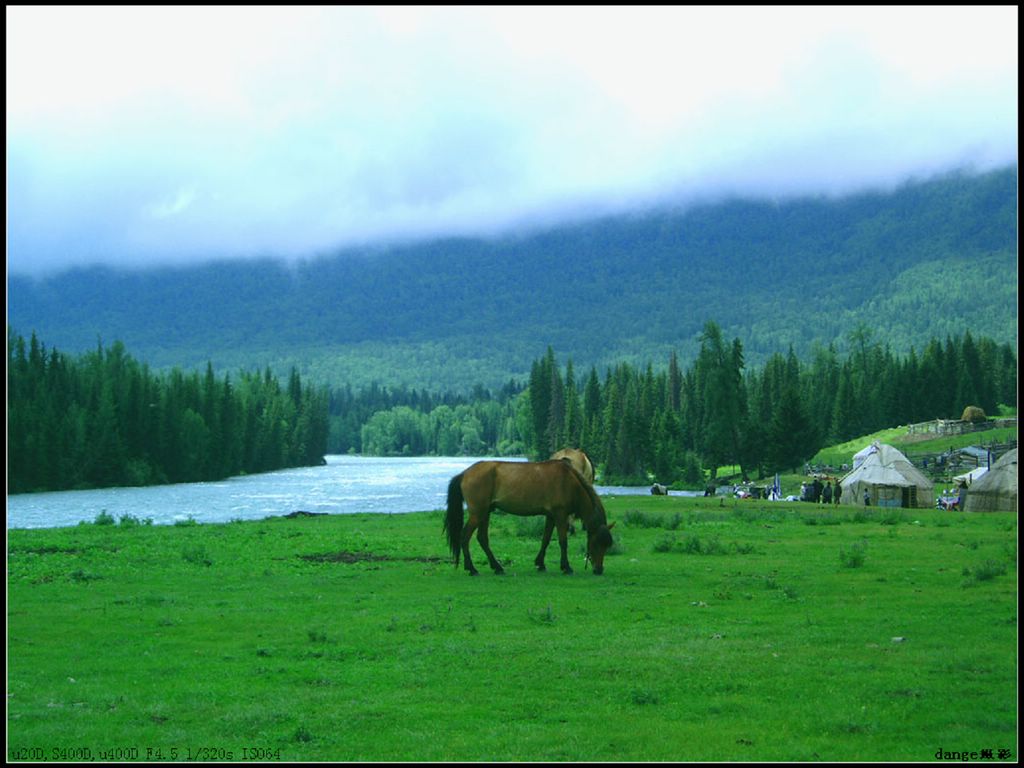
x: 924, y: 261
x: 155, y: 136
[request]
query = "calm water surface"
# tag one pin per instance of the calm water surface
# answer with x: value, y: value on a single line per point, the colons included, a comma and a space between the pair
x: 345, y: 485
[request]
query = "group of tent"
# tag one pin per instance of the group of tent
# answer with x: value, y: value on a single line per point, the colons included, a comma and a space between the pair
x: 884, y: 477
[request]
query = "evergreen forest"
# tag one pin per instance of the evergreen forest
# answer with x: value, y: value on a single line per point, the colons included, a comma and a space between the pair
x: 104, y: 419
x: 678, y: 422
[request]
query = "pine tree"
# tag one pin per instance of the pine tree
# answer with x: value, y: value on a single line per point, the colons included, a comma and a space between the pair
x: 573, y: 416
x: 720, y: 368
x: 555, y: 427
x: 843, y: 416
x: 540, y: 402
x: 675, y: 383
x: 791, y: 435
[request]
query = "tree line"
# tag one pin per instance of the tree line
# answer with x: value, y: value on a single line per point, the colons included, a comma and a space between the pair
x: 104, y: 419
x: 680, y: 424
x: 398, y: 421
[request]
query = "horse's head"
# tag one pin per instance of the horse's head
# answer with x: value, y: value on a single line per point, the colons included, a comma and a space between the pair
x: 595, y: 520
x: 599, y: 541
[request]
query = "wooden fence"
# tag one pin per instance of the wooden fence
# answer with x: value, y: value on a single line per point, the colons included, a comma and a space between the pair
x: 957, y: 426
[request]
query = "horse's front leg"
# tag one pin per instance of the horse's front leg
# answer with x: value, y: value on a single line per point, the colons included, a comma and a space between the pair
x: 549, y: 526
x: 484, y: 538
x: 563, y: 543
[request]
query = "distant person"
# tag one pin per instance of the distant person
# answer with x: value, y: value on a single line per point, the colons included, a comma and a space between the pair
x: 826, y: 495
x: 836, y: 492
x: 867, y: 498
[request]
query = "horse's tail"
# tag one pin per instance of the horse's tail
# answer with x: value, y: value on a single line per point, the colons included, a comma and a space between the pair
x: 453, y: 520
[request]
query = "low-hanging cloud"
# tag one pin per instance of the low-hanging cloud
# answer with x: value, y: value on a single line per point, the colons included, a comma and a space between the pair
x: 151, y: 135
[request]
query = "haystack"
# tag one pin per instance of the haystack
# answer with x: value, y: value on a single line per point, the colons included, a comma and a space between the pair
x: 996, y: 491
x: 973, y: 413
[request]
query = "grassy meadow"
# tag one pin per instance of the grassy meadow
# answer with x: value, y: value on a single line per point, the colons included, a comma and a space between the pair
x: 722, y: 630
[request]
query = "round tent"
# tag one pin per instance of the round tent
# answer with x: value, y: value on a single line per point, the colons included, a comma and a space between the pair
x: 863, y: 453
x: 889, y: 479
x: 969, y: 477
x: 997, y: 489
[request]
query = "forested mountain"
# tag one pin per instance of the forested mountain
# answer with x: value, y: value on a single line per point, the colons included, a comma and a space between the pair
x: 924, y: 261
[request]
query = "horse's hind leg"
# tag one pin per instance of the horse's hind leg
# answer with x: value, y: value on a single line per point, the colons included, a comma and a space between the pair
x: 483, y: 536
x: 549, y: 526
x: 467, y: 532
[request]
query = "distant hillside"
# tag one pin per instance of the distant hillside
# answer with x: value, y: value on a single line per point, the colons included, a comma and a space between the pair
x: 927, y: 260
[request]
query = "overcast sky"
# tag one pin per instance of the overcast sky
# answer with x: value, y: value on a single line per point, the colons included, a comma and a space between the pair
x: 149, y: 135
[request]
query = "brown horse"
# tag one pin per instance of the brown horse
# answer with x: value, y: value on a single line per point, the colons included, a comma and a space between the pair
x: 550, y: 488
x: 579, y: 460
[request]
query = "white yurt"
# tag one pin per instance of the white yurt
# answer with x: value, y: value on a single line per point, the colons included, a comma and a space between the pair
x: 996, y: 491
x: 969, y: 477
x: 889, y: 479
x: 863, y: 453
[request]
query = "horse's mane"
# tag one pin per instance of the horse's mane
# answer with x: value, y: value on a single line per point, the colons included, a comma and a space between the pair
x: 569, y: 454
x: 587, y: 457
x: 597, y: 507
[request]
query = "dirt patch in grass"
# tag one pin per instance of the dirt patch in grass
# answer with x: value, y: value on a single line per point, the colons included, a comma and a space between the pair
x: 45, y: 550
x: 345, y: 556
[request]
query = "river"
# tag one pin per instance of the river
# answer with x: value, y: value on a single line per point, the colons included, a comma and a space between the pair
x: 344, y: 485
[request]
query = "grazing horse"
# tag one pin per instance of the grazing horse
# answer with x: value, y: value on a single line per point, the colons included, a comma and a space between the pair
x: 550, y: 488
x: 579, y: 460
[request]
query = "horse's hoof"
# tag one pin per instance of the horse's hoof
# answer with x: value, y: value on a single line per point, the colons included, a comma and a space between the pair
x: 474, y: 573
x: 499, y: 571
x: 567, y: 571
x: 540, y: 567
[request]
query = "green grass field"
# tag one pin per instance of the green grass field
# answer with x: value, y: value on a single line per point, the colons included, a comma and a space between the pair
x: 721, y: 630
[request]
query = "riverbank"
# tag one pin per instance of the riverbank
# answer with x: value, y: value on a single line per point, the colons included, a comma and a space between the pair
x: 342, y: 485
x: 721, y: 630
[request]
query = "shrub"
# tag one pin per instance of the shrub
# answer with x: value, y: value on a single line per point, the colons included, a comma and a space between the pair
x: 545, y: 617
x: 665, y: 543
x: 643, y: 698
x: 196, y: 556
x: 892, y: 517
x: 985, y: 571
x: 692, y: 545
x: 854, y: 556
x: 530, y: 527
x: 634, y: 518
